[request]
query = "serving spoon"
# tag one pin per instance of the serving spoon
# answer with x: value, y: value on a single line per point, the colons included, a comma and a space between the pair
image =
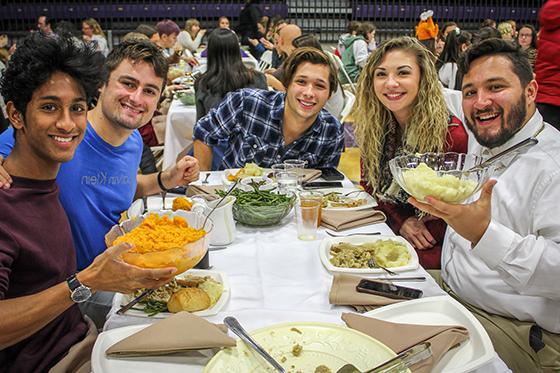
x: 399, y: 363
x: 236, y: 328
x: 527, y: 143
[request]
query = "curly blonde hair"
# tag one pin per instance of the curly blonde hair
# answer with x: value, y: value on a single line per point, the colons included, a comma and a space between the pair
x: 427, y: 126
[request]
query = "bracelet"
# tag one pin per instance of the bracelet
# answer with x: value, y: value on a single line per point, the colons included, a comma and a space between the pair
x: 161, y: 186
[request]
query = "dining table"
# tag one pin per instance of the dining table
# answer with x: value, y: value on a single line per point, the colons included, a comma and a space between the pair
x: 274, y: 277
x: 179, y: 127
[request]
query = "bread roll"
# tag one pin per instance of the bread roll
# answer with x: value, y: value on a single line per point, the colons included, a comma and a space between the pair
x: 189, y: 299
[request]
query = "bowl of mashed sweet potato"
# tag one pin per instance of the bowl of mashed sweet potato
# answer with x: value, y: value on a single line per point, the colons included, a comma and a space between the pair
x: 163, y: 239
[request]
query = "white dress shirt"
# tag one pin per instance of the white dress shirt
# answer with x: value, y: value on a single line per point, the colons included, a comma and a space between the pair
x: 514, y: 270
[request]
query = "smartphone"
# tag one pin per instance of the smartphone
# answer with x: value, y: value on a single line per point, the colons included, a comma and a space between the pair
x: 386, y: 289
x: 323, y: 184
x: 331, y: 174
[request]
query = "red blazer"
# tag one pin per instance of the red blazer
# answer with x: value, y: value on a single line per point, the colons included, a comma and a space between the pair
x: 457, y: 141
x: 547, y: 64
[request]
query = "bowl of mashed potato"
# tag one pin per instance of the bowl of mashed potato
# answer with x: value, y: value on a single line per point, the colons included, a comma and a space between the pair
x: 448, y: 177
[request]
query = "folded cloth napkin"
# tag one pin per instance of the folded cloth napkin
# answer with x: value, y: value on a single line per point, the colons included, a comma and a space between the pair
x: 310, y: 174
x: 193, y: 190
x: 343, y: 293
x: 342, y: 220
x: 399, y: 337
x: 179, y: 333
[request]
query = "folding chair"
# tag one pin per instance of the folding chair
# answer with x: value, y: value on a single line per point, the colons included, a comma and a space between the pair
x: 349, y: 100
x: 338, y: 63
x: 266, y: 60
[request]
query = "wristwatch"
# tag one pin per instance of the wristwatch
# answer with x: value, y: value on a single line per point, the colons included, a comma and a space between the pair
x: 79, y: 293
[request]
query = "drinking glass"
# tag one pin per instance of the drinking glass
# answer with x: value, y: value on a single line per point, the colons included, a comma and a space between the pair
x: 279, y: 167
x: 313, y: 196
x: 287, y: 182
x: 307, y: 215
x: 298, y: 166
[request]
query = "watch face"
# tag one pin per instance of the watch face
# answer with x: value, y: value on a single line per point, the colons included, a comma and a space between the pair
x: 81, y: 294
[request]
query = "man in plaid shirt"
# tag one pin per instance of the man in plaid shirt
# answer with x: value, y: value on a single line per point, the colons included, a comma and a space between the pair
x: 266, y: 127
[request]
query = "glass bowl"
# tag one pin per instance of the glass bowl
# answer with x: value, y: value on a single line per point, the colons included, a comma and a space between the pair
x: 261, y: 215
x: 183, y: 258
x: 448, y: 177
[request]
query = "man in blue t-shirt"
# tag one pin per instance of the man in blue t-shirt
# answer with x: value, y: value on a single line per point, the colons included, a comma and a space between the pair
x: 101, y: 181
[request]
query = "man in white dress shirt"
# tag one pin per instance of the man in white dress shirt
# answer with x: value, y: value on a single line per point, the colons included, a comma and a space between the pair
x: 501, y: 254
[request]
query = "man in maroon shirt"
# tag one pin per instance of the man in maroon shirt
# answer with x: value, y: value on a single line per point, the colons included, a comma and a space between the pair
x: 47, y: 87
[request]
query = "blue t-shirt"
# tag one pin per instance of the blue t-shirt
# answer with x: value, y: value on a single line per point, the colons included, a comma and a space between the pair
x: 96, y: 186
x: 7, y: 141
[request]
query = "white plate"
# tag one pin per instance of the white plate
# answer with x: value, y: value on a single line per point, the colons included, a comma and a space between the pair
x: 363, y: 194
x: 328, y: 344
x: 165, y: 364
x: 218, y: 276
x: 324, y: 253
x: 233, y: 171
x: 154, y: 204
x: 444, y: 310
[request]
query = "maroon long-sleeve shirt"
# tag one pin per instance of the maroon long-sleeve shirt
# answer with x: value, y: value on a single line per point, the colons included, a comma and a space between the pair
x: 36, y: 253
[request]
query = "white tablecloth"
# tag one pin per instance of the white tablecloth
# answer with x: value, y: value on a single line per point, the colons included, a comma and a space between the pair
x: 178, y: 131
x: 274, y: 277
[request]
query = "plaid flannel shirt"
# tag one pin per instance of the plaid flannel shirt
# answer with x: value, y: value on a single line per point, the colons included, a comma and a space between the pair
x: 250, y: 121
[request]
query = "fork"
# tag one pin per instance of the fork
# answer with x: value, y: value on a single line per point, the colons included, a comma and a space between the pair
x: 354, y: 191
x: 372, y: 263
x: 205, y: 181
x: 163, y: 195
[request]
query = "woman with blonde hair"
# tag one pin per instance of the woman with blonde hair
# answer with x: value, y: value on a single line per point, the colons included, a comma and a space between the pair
x: 93, y: 34
x: 400, y: 110
x: 191, y: 37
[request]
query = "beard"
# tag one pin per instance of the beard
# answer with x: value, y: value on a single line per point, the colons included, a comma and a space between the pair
x: 508, y: 126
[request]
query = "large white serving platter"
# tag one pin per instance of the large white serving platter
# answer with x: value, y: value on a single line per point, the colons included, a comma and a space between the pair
x: 322, y: 344
x: 444, y: 310
x: 324, y: 253
x: 218, y: 276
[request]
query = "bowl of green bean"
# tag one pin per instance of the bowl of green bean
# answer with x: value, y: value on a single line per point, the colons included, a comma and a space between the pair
x: 260, y: 207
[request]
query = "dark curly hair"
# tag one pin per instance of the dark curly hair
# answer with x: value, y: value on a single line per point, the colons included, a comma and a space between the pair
x: 38, y: 57
x: 491, y: 47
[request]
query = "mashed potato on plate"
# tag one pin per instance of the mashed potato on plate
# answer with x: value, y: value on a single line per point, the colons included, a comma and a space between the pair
x: 388, y: 253
x: 423, y: 181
